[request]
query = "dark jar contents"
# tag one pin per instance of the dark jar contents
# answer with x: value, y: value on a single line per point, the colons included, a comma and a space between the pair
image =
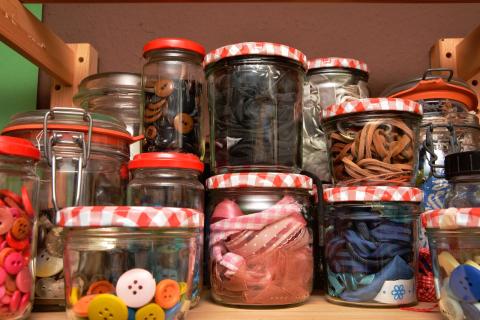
x: 255, y: 102
x: 174, y: 85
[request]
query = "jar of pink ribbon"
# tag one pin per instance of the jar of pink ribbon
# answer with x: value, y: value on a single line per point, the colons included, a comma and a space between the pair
x: 260, y: 242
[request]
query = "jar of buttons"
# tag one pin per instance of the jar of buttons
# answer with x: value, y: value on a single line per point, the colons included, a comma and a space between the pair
x: 130, y: 262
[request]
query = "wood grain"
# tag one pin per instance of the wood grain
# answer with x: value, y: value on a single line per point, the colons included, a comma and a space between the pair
x: 246, y: 1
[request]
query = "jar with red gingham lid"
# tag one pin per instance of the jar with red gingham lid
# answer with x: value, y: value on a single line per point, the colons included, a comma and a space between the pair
x: 454, y: 240
x: 370, y: 236
x: 255, y: 92
x: 260, y: 238
x: 329, y: 81
x: 130, y: 262
x: 373, y: 141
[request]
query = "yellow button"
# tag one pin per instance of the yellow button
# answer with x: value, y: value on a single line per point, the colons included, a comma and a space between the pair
x: 183, y: 287
x: 473, y: 264
x: 447, y: 262
x: 107, y: 306
x: 74, y: 295
x: 151, y: 311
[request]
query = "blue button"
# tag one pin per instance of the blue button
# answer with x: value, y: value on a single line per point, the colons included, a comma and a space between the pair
x: 465, y: 283
x: 470, y: 311
x: 131, y: 314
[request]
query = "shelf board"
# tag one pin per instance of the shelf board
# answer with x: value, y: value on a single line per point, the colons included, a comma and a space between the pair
x: 315, y: 308
x: 326, y: 1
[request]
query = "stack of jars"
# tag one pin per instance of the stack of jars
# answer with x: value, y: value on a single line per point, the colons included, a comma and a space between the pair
x: 260, y: 241
x: 370, y: 225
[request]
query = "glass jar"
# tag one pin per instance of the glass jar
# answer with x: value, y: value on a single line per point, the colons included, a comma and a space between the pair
x: 129, y: 262
x: 88, y: 169
x: 161, y: 179
x: 118, y: 94
x: 370, y: 245
x: 454, y: 239
x: 255, y: 100
x: 260, y: 243
x: 462, y: 171
x: 175, y: 96
x: 329, y: 81
x: 18, y: 226
x: 373, y: 141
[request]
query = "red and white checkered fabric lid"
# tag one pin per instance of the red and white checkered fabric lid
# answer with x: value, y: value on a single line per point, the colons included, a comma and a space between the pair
x: 255, y: 48
x: 451, y: 218
x: 335, y: 62
x: 372, y: 104
x: 140, y: 217
x: 260, y: 180
x: 372, y: 193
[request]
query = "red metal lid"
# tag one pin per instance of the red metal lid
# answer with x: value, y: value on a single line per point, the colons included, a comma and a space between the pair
x: 255, y: 48
x: 166, y: 160
x: 335, y: 62
x: 174, y: 43
x: 451, y: 218
x: 375, y: 194
x: 18, y: 147
x: 260, y: 180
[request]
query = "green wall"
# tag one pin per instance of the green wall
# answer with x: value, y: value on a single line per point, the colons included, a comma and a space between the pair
x: 18, y: 79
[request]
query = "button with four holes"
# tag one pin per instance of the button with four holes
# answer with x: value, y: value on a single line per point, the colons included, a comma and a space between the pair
x: 167, y: 293
x: 102, y: 286
x: 48, y: 265
x: 164, y: 88
x: 107, y: 307
x: 136, y: 287
x: 80, y: 308
x: 465, y: 283
x: 151, y: 311
x: 21, y: 228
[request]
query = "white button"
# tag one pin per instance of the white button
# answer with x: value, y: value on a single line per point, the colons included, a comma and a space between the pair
x: 47, y: 265
x: 450, y: 308
x: 136, y: 287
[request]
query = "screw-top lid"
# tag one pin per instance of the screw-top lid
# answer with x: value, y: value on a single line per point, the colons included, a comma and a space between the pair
x: 462, y: 163
x: 451, y: 218
x: 372, y: 104
x: 172, y: 160
x: 174, y: 43
x: 335, y: 62
x: 19, y: 147
x: 372, y: 194
x: 135, y: 217
x: 255, y: 48
x: 260, y: 180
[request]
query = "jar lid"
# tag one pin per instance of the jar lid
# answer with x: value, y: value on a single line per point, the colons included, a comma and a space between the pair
x: 108, y: 83
x: 166, y: 160
x: 434, y: 86
x: 260, y: 180
x: 462, y: 163
x: 372, y: 104
x: 372, y: 194
x: 174, y: 43
x: 336, y: 62
x: 255, y: 48
x: 19, y: 147
x: 451, y: 218
x: 133, y: 217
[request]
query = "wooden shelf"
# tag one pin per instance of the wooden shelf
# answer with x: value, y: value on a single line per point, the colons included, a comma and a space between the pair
x: 316, y: 308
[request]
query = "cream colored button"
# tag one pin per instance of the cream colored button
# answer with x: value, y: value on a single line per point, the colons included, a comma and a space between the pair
x: 47, y: 265
x: 447, y: 262
x: 450, y: 309
x: 473, y: 264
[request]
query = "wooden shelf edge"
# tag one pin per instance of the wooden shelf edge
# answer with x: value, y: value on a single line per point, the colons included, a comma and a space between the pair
x: 246, y: 1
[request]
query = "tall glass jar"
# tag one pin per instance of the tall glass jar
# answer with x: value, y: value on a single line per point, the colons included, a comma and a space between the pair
x: 329, y: 81
x: 255, y: 102
x: 260, y: 238
x: 18, y: 226
x: 84, y: 162
x: 175, y: 96
x: 370, y: 245
x: 130, y: 262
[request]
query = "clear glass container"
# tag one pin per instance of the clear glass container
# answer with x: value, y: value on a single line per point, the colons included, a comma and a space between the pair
x: 462, y: 171
x: 175, y: 96
x: 370, y: 251
x: 88, y: 170
x: 372, y: 146
x: 328, y: 82
x: 260, y: 247
x: 255, y: 104
x: 125, y: 269
x: 18, y: 226
x: 170, y: 180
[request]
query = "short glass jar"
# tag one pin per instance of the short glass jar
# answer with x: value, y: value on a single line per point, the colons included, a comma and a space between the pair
x: 370, y: 245
x: 373, y: 141
x: 454, y: 239
x: 18, y: 226
x: 130, y: 262
x: 462, y: 171
x: 175, y: 96
x: 255, y: 92
x: 329, y: 81
x: 260, y: 243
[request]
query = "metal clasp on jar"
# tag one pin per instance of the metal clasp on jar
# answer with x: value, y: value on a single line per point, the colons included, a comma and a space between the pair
x: 428, y: 144
x: 49, y: 142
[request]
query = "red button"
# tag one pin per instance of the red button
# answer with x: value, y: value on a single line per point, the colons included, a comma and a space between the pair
x: 6, y: 220
x: 27, y: 204
x: 13, y: 263
x: 17, y: 244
